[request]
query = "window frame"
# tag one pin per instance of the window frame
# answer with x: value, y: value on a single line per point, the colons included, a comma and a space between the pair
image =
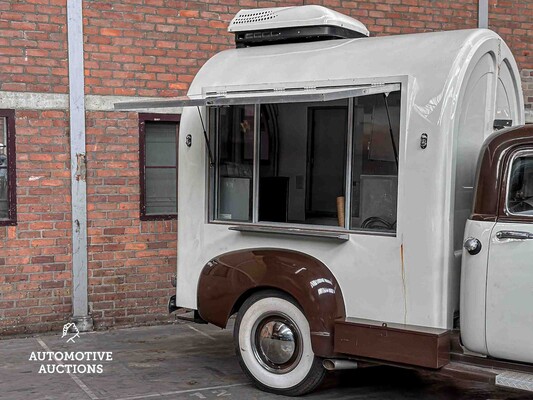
x: 9, y: 115
x: 211, y: 178
x: 506, y: 214
x: 153, y: 117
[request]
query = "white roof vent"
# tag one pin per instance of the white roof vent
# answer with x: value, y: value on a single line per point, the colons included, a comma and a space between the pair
x: 251, y: 16
x: 293, y: 24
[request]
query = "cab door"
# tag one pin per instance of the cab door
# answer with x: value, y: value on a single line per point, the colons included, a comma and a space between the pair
x: 509, y: 293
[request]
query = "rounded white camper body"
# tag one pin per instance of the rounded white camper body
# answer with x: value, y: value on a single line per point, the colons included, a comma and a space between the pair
x: 453, y: 86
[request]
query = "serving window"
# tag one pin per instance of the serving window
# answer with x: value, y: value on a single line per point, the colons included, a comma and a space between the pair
x: 328, y: 164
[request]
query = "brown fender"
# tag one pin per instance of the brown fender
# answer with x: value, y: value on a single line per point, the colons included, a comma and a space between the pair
x: 227, y: 280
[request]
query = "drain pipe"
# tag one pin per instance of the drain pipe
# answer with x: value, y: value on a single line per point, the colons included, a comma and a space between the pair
x: 483, y: 14
x: 80, y: 305
x: 336, y: 365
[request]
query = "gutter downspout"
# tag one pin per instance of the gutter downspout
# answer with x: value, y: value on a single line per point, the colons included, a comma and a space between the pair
x: 483, y: 14
x: 80, y: 306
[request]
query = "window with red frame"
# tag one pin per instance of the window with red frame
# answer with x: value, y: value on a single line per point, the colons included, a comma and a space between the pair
x: 158, y: 165
x: 8, y: 204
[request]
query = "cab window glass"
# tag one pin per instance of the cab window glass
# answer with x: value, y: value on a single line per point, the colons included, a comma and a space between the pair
x: 520, y: 194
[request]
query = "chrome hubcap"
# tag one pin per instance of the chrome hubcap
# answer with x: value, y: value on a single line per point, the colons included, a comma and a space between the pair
x: 277, y: 343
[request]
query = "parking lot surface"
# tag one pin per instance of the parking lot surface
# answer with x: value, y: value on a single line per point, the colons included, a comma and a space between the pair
x: 187, y: 361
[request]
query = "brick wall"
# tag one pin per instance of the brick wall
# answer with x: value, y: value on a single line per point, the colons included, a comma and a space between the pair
x: 156, y: 48
x: 130, y: 261
x: 139, y: 48
x: 33, y: 46
x: 35, y: 255
x: 513, y: 20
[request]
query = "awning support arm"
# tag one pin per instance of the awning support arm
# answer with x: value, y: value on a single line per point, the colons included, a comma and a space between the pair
x: 390, y: 130
x: 207, y: 143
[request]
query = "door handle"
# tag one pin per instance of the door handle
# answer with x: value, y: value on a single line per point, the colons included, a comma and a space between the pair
x: 517, y: 235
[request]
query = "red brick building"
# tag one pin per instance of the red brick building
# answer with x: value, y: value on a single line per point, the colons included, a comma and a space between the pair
x: 132, y: 49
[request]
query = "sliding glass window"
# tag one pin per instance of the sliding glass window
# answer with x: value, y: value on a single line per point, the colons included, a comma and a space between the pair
x: 330, y: 164
x: 234, y: 167
x: 374, y: 162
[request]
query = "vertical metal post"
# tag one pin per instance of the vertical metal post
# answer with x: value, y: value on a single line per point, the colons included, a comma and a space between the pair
x: 483, y: 14
x: 216, y: 170
x: 349, y: 158
x: 212, y: 170
x: 80, y: 304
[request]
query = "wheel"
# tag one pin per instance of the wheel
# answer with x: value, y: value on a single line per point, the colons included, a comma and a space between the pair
x: 273, y: 344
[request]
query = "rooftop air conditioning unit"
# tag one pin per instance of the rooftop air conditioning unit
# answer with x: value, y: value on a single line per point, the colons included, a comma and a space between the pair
x: 264, y: 26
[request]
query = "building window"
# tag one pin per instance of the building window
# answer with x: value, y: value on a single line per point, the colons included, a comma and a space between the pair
x: 8, y: 205
x: 158, y: 145
x: 326, y: 164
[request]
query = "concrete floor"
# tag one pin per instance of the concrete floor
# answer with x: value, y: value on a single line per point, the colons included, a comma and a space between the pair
x: 187, y: 361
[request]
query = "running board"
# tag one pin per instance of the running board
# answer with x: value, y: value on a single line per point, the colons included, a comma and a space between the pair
x: 515, y: 380
x: 397, y: 343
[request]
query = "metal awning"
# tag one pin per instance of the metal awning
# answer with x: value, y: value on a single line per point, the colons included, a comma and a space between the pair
x: 268, y: 96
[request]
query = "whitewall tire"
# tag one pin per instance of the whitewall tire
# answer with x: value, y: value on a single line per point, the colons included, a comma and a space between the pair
x: 273, y: 344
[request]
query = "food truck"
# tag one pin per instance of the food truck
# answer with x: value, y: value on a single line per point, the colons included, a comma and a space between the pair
x: 357, y: 200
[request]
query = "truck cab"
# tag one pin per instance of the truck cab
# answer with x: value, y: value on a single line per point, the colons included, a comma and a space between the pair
x: 496, y: 295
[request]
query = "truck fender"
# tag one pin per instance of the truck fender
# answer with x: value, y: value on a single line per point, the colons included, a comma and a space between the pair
x: 228, y: 279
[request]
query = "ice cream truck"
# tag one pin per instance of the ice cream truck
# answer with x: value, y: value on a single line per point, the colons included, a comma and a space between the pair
x: 357, y: 200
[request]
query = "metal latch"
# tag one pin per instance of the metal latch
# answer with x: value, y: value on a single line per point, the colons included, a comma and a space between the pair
x: 81, y: 167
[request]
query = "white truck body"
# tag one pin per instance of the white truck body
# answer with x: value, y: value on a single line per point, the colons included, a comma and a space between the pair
x: 454, y: 84
x: 306, y: 289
